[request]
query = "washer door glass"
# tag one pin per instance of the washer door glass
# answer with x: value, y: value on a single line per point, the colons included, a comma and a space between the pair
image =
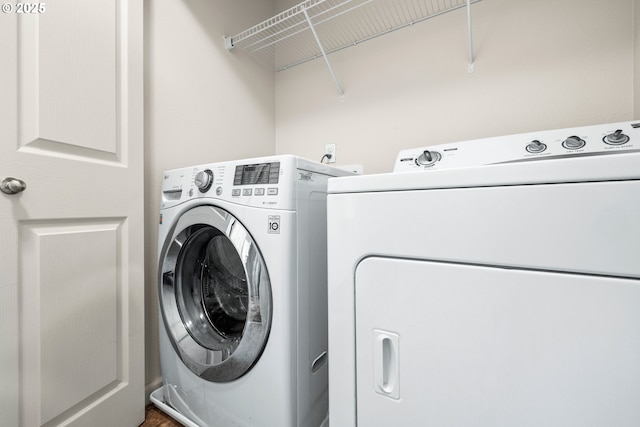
x: 215, y: 294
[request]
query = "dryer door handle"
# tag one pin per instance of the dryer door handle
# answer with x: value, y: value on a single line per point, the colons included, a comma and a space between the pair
x: 386, y: 362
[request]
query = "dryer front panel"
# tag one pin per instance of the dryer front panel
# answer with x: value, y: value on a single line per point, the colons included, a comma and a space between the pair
x: 215, y: 294
x: 445, y: 344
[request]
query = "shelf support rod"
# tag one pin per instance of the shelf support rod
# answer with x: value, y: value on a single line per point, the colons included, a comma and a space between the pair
x: 324, y: 55
x: 471, y: 66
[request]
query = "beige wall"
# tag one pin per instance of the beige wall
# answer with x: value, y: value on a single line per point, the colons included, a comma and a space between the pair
x: 203, y: 104
x: 539, y: 65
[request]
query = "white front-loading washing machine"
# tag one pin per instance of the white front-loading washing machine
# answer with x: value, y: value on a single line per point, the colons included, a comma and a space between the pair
x: 493, y: 282
x: 242, y: 293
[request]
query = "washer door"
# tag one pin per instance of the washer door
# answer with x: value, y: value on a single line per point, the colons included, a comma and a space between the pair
x: 215, y: 294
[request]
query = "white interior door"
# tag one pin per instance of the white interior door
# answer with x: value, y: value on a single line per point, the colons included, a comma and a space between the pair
x: 71, y: 246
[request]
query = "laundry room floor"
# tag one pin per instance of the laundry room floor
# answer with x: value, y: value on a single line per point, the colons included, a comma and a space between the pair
x: 154, y: 417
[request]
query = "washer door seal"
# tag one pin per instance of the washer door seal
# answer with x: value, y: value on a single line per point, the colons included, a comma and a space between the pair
x: 215, y: 294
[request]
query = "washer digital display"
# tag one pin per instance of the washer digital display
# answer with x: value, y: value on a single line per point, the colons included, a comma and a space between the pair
x: 261, y: 173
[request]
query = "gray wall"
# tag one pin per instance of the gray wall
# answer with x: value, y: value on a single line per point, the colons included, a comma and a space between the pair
x: 202, y: 105
x: 539, y: 65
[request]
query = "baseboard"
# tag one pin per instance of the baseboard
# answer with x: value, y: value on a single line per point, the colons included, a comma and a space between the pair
x: 150, y: 387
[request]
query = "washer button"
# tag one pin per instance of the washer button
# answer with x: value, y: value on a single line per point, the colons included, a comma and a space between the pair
x: 259, y: 192
x: 235, y: 192
x: 246, y: 192
x: 272, y: 191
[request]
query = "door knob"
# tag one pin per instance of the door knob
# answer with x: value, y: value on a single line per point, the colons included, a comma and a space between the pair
x: 12, y: 185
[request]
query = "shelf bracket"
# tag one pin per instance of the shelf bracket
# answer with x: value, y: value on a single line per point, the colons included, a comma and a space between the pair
x: 324, y: 55
x: 471, y: 66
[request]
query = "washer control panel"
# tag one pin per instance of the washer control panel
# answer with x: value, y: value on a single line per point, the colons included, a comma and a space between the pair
x: 244, y: 182
x: 611, y: 138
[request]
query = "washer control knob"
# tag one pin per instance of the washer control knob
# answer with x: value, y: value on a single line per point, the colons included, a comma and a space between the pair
x: 536, y: 146
x: 204, y: 180
x: 573, y: 143
x: 428, y: 158
x: 616, y: 138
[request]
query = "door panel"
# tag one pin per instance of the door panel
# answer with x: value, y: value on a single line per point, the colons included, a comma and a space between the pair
x: 75, y: 319
x: 59, y: 69
x: 71, y: 284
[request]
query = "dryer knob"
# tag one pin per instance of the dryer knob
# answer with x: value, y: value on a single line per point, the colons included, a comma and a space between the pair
x: 428, y: 158
x: 536, y: 146
x: 616, y: 138
x: 573, y: 143
x: 204, y: 180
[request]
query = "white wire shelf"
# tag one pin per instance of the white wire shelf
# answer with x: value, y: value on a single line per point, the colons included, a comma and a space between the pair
x: 316, y: 28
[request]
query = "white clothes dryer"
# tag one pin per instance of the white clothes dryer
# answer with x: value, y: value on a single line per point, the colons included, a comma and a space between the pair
x: 242, y: 293
x: 493, y: 282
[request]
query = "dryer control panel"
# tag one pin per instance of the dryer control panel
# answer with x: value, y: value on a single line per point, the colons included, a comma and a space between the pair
x: 612, y: 138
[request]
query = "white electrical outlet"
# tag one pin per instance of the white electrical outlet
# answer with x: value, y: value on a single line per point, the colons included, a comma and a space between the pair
x: 330, y: 149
